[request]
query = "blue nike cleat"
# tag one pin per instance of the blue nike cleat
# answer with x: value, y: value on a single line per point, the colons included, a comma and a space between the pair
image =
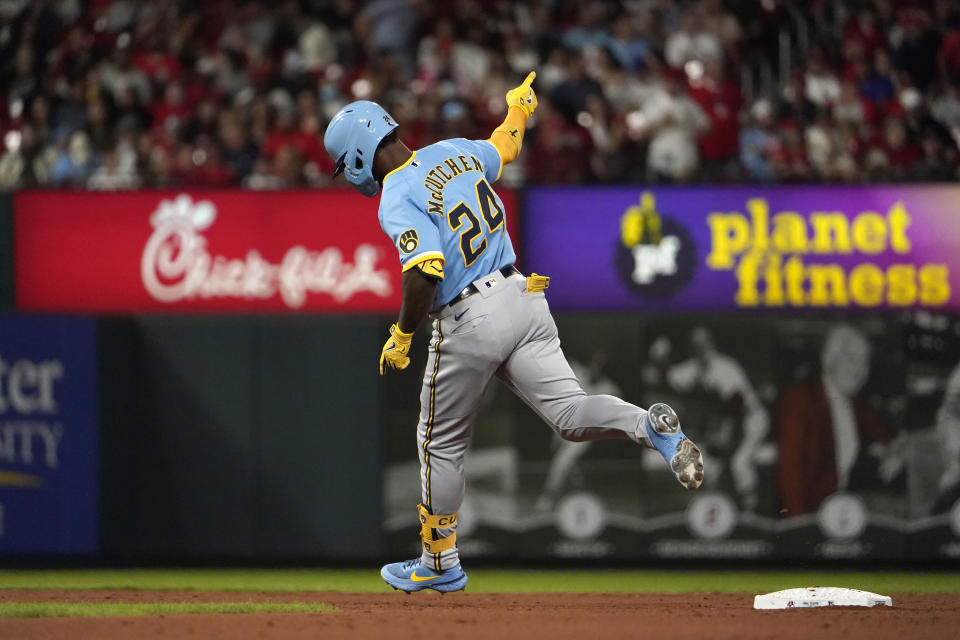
x: 684, y: 458
x: 412, y: 575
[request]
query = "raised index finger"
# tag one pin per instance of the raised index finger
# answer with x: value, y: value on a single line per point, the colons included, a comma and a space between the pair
x: 530, y: 78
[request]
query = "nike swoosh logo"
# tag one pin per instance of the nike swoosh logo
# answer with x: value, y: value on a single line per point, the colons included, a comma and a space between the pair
x: 456, y: 318
x: 416, y: 578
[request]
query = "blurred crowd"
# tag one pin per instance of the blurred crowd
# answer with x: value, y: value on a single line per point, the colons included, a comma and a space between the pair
x: 121, y: 94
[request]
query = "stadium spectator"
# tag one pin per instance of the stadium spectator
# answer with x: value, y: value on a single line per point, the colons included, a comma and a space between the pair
x: 821, y: 85
x: 721, y: 101
x: 672, y: 122
x: 692, y: 42
x: 945, y: 107
x: 759, y: 143
x: 570, y: 95
x: 76, y: 163
x: 916, y: 54
x: 950, y: 54
x: 112, y: 175
x: 626, y: 46
x: 561, y: 151
x: 878, y: 87
x: 210, y: 93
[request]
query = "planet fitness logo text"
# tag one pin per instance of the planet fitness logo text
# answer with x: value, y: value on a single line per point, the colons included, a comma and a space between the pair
x: 772, y: 258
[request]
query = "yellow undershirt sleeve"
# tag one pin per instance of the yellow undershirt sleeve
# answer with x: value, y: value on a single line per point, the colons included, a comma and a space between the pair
x: 430, y: 265
x: 508, y: 137
x: 431, y: 268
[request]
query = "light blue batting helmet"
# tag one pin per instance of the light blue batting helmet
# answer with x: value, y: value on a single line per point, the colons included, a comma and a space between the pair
x: 352, y: 138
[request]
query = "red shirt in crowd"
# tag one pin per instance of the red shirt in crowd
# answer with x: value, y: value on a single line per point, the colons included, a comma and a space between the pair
x: 309, y: 146
x: 159, y: 66
x: 721, y: 103
x: 950, y: 52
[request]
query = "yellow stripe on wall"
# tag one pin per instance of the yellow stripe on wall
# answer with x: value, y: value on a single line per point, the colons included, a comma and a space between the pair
x: 14, y: 479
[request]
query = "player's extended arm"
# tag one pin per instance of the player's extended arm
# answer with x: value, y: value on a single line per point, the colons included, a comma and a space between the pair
x: 508, y: 137
x: 419, y: 291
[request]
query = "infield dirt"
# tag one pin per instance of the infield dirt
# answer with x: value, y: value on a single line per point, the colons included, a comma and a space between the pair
x: 465, y: 616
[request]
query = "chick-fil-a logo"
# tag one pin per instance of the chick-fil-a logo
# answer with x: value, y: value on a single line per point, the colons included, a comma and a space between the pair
x: 176, y: 264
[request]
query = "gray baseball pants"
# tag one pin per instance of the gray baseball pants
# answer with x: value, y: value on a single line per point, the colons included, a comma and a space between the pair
x: 506, y: 332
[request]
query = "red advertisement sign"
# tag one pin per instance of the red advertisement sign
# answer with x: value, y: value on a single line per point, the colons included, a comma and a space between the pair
x: 222, y: 251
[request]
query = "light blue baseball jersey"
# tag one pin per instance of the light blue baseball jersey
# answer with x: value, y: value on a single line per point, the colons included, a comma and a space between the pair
x: 439, y: 204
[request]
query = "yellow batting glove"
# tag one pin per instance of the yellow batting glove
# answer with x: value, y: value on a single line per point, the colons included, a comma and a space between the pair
x: 394, y: 352
x: 523, y: 96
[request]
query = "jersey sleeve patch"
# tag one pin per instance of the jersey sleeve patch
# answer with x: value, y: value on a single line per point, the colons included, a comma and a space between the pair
x: 408, y: 241
x: 432, y: 268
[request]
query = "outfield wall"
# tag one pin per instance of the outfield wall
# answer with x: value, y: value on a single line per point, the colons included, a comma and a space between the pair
x: 750, y: 389
x: 809, y: 338
x: 240, y: 437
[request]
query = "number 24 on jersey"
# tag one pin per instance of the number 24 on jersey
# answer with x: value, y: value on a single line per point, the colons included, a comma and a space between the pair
x: 462, y: 216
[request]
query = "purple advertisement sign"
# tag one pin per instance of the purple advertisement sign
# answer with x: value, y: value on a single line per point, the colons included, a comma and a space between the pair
x: 746, y: 247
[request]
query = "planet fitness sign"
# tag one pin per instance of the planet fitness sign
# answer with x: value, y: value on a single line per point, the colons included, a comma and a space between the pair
x: 746, y: 247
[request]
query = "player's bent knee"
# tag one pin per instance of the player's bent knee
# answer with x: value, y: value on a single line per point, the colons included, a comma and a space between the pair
x: 566, y: 420
x: 571, y: 434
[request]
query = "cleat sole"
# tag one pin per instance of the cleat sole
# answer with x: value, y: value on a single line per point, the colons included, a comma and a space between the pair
x: 687, y: 465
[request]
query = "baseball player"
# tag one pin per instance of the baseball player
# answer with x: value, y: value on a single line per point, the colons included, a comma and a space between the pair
x: 449, y: 227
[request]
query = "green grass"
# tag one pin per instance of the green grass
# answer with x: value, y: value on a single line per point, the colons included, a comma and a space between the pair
x: 70, y: 609
x: 484, y: 580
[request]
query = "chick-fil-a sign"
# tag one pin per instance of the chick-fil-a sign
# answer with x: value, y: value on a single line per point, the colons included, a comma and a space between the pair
x: 203, y: 251
x: 177, y: 265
